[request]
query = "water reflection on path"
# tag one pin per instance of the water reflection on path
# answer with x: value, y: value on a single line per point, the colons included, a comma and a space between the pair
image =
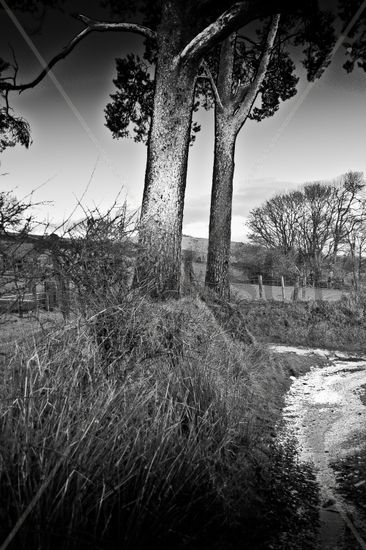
x: 325, y: 409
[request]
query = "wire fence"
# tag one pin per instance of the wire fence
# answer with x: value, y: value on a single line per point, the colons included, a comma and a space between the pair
x: 253, y: 291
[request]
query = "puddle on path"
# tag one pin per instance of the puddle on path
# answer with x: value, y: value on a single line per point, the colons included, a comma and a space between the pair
x: 325, y: 411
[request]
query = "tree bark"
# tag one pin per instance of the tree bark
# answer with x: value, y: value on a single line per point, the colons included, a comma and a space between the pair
x: 231, y: 112
x: 317, y: 264
x: 218, y: 257
x: 158, y: 264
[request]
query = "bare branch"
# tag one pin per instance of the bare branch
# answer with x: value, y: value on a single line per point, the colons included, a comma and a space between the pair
x: 213, y: 85
x: 91, y: 26
x: 246, y: 96
x: 102, y: 26
x: 224, y: 25
x: 66, y: 50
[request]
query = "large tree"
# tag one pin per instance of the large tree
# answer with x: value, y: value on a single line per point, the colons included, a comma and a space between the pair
x: 231, y: 77
x: 182, y: 34
x: 248, y: 69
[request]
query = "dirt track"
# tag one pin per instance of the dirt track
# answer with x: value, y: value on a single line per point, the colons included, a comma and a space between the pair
x: 325, y: 410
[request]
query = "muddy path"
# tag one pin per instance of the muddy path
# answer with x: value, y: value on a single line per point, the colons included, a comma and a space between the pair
x: 325, y: 410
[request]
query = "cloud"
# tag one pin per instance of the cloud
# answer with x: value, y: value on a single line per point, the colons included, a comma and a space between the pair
x: 255, y: 192
x: 250, y: 194
x: 197, y: 210
x: 196, y: 229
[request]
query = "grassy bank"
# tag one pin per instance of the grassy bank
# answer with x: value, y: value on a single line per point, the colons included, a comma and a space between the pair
x: 334, y: 325
x: 149, y: 425
x: 350, y: 470
x: 350, y: 473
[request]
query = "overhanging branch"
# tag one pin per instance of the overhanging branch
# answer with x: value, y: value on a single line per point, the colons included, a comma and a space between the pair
x: 91, y: 25
x: 220, y: 29
x: 239, y: 15
x: 108, y: 26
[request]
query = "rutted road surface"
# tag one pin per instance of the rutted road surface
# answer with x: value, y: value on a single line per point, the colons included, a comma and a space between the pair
x: 325, y: 410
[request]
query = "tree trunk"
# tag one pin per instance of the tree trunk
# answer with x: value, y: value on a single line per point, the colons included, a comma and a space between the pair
x: 317, y: 267
x: 218, y: 257
x: 158, y: 264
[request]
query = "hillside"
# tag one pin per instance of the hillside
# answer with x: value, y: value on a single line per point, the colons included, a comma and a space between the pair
x: 199, y: 246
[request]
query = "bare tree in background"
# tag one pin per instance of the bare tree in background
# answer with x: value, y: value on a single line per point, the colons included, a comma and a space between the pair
x: 315, y: 222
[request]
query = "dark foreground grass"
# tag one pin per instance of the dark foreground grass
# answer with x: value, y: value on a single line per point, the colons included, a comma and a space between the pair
x: 334, y: 325
x: 148, y: 425
x: 351, y: 477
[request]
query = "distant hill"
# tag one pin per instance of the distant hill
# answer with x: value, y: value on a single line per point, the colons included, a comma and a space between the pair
x: 199, y: 246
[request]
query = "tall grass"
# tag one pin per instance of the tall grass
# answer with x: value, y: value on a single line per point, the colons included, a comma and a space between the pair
x: 335, y: 325
x: 143, y: 426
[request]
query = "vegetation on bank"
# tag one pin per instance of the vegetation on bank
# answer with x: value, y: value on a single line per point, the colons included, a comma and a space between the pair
x: 350, y: 470
x: 335, y: 325
x: 148, y: 425
x: 350, y: 474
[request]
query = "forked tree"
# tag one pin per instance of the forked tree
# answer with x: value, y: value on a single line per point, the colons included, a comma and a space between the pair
x: 249, y: 69
x: 231, y: 77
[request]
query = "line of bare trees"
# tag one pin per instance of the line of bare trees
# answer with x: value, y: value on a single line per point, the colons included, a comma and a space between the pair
x: 316, y: 224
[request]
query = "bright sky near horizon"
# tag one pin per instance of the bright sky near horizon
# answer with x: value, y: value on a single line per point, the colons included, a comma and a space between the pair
x: 320, y: 140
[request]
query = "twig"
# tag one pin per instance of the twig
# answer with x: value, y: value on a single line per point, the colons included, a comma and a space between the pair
x: 213, y: 84
x: 91, y: 25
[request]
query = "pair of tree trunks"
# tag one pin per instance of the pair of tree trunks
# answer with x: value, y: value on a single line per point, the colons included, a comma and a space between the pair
x: 182, y: 34
x: 158, y: 266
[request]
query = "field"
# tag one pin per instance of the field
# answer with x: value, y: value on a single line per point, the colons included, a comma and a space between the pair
x: 17, y: 329
x: 247, y: 291
x: 251, y: 292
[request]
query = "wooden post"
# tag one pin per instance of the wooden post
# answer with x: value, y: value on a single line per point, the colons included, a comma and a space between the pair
x: 188, y: 272
x: 303, y: 290
x: 295, y: 295
x: 283, y: 287
x: 51, y: 294
x: 260, y: 282
x: 20, y: 306
x: 35, y: 296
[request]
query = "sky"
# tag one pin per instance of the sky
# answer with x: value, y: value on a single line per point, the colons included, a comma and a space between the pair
x: 317, y: 135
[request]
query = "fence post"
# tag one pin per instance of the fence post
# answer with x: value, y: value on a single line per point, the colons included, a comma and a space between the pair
x: 295, y: 295
x: 303, y: 290
x: 188, y: 272
x: 260, y: 282
x: 283, y: 287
